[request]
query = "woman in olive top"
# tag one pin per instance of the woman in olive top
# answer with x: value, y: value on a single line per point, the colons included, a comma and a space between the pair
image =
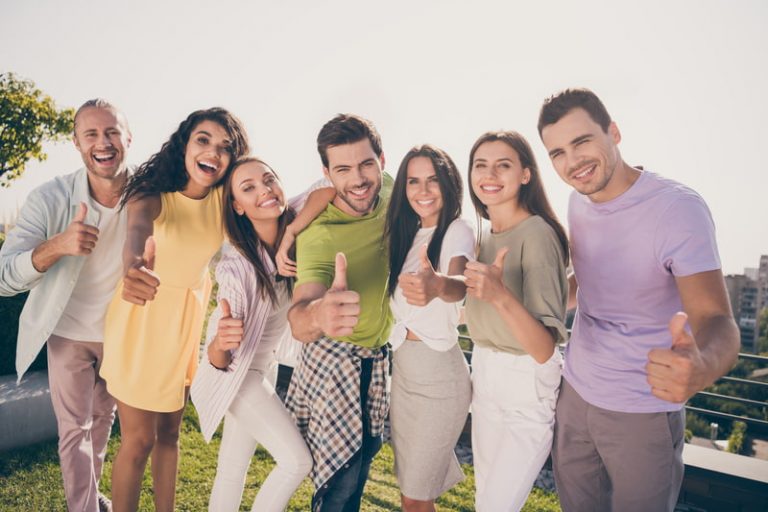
x: 517, y: 292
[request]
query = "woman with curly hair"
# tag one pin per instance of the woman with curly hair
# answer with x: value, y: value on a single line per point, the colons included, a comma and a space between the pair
x: 429, y: 246
x: 516, y: 297
x: 154, y: 322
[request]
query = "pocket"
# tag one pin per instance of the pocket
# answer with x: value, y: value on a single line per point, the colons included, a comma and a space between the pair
x: 547, y: 379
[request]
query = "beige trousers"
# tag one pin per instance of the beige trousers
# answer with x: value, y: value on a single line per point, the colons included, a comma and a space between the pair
x: 84, y: 413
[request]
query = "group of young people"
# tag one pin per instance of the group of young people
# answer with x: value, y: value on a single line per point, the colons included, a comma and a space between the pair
x: 358, y: 265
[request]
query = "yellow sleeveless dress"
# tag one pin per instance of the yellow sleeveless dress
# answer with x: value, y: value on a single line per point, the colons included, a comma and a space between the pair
x: 151, y: 351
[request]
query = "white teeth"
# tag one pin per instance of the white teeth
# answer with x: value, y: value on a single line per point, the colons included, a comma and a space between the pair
x: 102, y: 157
x: 584, y: 172
x: 490, y: 188
x: 426, y: 203
x: 207, y: 165
x: 269, y: 203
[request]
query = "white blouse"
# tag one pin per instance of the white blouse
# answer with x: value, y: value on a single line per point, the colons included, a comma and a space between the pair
x: 436, y: 322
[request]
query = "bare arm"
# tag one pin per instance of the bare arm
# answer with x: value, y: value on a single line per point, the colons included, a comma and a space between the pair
x: 422, y: 287
x: 316, y: 202
x: 139, y: 282
x: 573, y: 287
x: 696, y: 359
x: 484, y: 282
x: 319, y: 311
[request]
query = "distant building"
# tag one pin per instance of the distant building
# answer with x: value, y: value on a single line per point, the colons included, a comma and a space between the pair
x: 748, y: 293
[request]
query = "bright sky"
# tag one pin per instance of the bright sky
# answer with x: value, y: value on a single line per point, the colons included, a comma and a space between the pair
x: 685, y: 80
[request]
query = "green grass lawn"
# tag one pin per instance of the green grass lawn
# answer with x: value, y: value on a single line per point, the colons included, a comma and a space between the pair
x: 31, y: 481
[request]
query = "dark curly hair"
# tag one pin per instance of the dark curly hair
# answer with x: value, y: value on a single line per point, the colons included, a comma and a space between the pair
x: 165, y: 170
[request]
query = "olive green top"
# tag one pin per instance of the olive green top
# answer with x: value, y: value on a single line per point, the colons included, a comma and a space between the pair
x: 534, y: 272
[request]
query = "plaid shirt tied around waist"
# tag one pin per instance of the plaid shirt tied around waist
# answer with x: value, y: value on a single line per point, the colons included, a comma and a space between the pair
x: 324, y: 398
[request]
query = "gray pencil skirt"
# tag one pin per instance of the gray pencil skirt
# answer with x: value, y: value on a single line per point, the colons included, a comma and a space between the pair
x: 431, y: 393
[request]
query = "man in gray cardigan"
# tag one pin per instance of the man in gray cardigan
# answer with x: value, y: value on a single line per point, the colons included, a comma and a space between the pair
x: 66, y: 248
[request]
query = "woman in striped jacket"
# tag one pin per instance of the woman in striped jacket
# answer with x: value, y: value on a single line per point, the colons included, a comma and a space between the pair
x: 239, y: 368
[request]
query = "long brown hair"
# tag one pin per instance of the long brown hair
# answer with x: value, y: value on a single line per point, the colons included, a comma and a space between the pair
x: 243, y: 236
x: 531, y: 196
x: 403, y: 223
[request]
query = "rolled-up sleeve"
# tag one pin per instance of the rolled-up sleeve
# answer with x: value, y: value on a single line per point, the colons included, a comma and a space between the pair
x: 545, y: 286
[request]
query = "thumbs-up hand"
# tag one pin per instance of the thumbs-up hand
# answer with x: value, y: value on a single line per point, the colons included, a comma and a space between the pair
x: 79, y: 238
x: 484, y: 281
x: 140, y: 282
x: 229, y: 332
x: 337, y: 312
x: 421, y: 287
x: 675, y: 374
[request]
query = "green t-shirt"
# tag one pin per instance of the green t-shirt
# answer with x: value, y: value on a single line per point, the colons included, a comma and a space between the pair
x: 534, y: 272
x: 361, y: 239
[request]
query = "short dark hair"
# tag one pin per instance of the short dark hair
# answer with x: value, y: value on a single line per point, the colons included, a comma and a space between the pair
x: 558, y: 105
x: 346, y: 129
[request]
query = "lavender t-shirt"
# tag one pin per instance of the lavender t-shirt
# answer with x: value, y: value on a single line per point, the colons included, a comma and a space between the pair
x: 626, y: 254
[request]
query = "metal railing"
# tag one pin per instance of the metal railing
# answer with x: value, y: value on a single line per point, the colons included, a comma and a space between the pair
x: 762, y: 424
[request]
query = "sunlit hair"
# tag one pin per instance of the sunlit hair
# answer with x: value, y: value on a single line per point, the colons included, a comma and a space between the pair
x: 403, y: 222
x: 102, y: 103
x: 531, y: 195
x: 243, y: 236
x: 346, y: 129
x: 558, y: 105
x: 165, y: 171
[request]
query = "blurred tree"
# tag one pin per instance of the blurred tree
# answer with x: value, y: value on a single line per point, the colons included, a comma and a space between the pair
x: 762, y: 341
x: 28, y: 117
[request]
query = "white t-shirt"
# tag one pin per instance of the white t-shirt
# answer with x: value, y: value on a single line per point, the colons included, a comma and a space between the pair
x: 83, y: 316
x: 436, y: 322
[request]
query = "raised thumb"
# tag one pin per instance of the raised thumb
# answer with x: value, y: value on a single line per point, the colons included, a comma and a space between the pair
x: 680, y: 337
x: 424, y: 258
x: 82, y: 211
x: 340, y: 273
x: 226, y: 310
x: 498, y: 262
x: 149, y: 253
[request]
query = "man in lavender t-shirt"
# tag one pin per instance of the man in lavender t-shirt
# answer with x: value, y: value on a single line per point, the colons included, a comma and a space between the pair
x: 644, y: 251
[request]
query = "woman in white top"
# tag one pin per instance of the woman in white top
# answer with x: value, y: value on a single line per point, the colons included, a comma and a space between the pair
x: 236, y: 378
x: 429, y: 247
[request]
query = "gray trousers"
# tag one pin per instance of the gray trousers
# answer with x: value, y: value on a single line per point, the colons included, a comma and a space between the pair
x: 84, y: 413
x: 615, y: 461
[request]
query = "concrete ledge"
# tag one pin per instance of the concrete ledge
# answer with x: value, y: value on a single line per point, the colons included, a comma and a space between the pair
x: 722, y: 482
x: 26, y: 412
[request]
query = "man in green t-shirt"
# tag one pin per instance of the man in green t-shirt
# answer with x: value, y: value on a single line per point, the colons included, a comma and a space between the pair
x: 341, y: 312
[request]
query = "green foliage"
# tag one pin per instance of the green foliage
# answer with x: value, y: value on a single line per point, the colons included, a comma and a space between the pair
x: 762, y: 341
x: 697, y: 425
x: 10, y: 309
x: 28, y: 117
x: 32, y: 481
x: 688, y: 435
x: 736, y: 439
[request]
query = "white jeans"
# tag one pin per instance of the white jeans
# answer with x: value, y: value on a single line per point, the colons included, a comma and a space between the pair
x: 513, y: 417
x: 258, y: 416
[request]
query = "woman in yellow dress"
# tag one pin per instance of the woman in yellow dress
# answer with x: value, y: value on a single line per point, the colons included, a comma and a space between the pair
x: 155, y: 320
